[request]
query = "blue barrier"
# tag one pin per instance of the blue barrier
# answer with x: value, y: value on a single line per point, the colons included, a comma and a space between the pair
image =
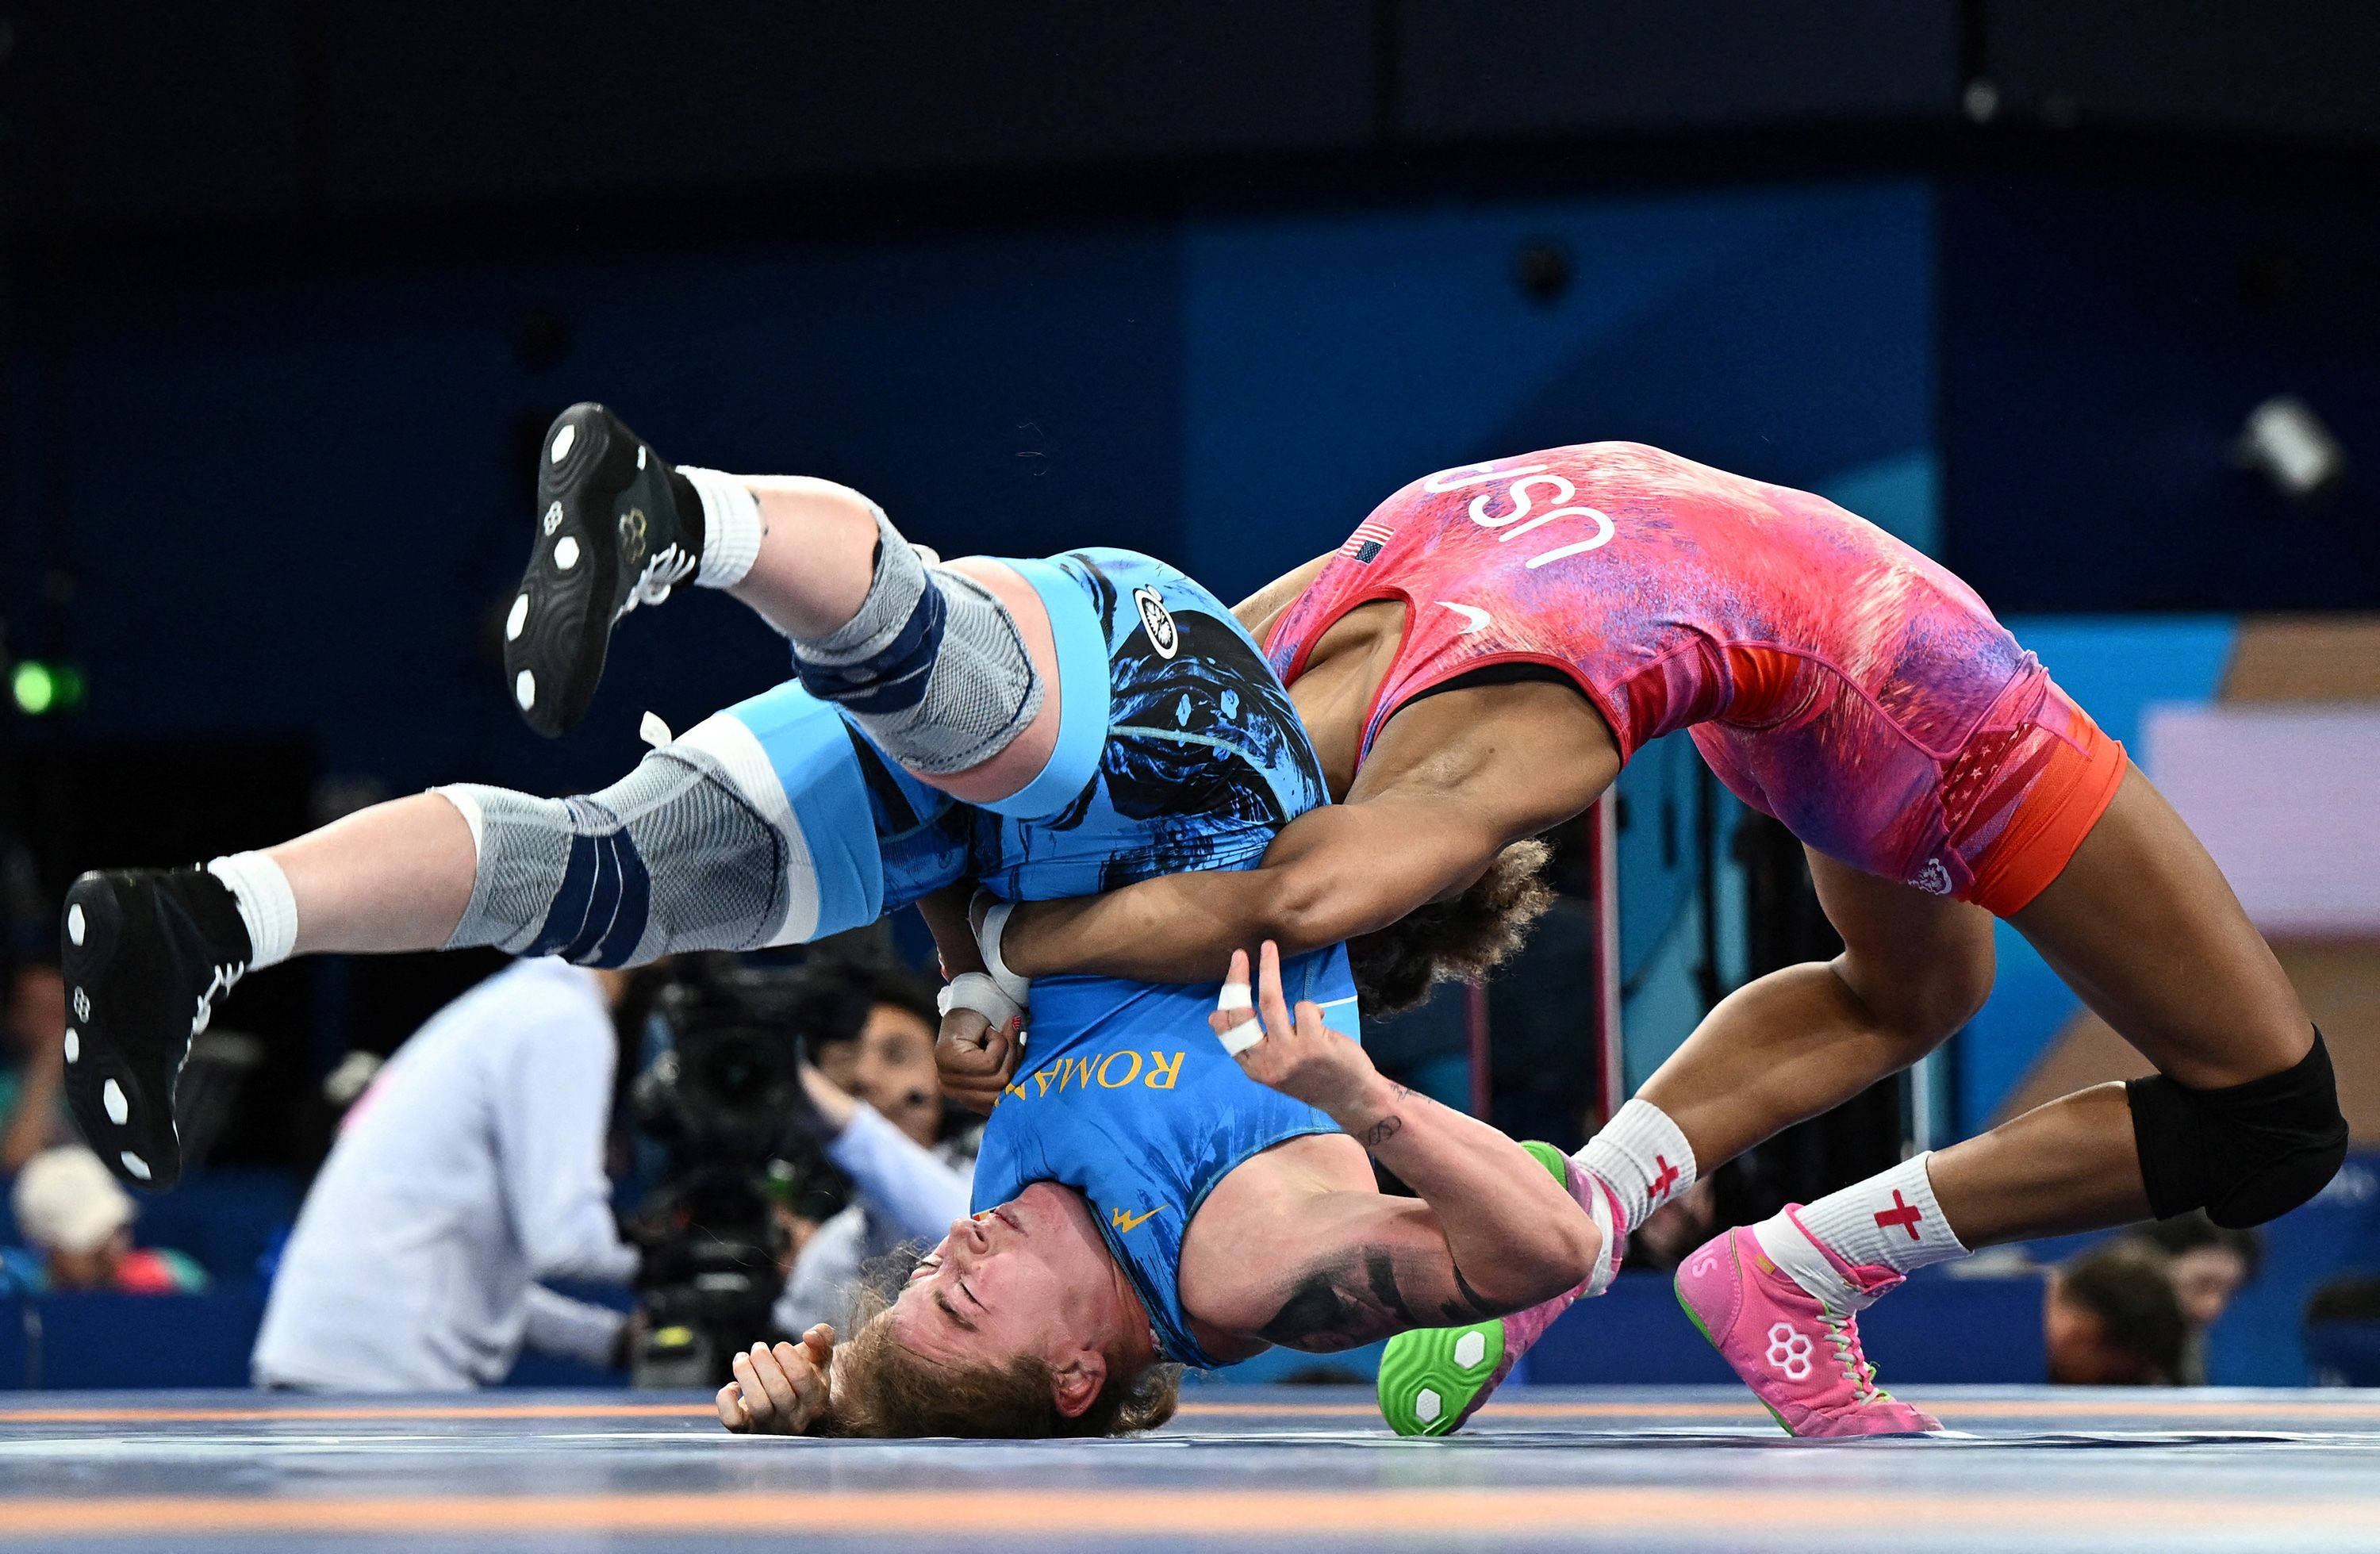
x: 545, y: 1373
x: 12, y: 1342
x: 1935, y: 1330
x: 90, y: 1340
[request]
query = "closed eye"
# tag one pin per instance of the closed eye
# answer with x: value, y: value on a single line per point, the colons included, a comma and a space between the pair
x: 952, y: 1312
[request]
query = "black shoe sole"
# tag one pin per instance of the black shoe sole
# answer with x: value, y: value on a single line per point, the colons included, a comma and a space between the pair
x: 603, y: 507
x: 142, y: 1147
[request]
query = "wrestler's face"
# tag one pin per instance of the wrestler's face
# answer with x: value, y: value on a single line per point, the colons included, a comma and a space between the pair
x: 1031, y: 1277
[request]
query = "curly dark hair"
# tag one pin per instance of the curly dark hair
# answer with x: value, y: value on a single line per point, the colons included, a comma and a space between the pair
x: 1459, y: 940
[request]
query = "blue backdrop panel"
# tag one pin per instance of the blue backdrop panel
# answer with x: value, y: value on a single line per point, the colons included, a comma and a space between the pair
x: 100, y: 1339
x: 1783, y: 333
x: 2115, y: 667
x: 1936, y: 1328
x: 12, y: 1342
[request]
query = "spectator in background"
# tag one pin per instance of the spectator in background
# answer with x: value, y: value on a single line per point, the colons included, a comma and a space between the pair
x: 872, y: 1033
x: 1671, y: 1233
x: 2211, y: 1264
x: 33, y: 1065
x: 77, y: 1229
x: 2111, y: 1319
x: 471, y: 1170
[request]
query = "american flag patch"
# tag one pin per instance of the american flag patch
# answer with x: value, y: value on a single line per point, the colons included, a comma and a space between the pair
x: 1366, y: 541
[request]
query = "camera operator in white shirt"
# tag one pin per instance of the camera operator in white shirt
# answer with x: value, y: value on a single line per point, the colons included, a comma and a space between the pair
x: 471, y: 1171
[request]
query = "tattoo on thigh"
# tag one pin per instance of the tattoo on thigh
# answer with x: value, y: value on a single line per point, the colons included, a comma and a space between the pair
x: 1344, y: 1304
x: 1471, y: 1308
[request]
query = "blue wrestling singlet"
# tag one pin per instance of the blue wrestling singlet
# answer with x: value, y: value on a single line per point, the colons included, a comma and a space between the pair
x: 1125, y: 1095
x: 1178, y: 749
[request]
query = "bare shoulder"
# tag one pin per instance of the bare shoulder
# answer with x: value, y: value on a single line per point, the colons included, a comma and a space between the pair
x: 1261, y: 608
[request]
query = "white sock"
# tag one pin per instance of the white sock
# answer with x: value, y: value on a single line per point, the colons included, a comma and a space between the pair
x: 1890, y: 1221
x: 267, y: 907
x: 731, y: 527
x: 1643, y: 1158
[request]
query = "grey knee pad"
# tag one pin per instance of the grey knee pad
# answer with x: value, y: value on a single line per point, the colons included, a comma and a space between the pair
x: 672, y: 856
x: 982, y: 692
x: 932, y: 667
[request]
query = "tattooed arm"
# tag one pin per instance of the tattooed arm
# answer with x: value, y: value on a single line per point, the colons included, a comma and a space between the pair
x: 1493, y: 1232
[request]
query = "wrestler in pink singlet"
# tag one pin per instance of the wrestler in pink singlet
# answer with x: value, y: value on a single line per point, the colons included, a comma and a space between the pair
x: 1832, y: 676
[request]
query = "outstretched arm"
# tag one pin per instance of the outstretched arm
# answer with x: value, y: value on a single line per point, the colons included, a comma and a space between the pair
x: 1332, y: 873
x: 1493, y: 1232
x: 1452, y: 780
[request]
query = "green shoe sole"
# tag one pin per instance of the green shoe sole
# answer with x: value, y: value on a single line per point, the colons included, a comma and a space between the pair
x: 1425, y: 1385
x: 1430, y: 1378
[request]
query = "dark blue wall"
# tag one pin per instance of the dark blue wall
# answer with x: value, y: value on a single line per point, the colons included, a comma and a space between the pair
x: 293, y: 498
x: 293, y: 501
x: 2106, y: 339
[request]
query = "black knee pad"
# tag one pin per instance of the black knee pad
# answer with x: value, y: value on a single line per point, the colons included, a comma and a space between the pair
x: 2245, y: 1154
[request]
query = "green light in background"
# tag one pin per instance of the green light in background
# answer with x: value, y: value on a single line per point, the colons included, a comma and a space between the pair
x: 36, y: 689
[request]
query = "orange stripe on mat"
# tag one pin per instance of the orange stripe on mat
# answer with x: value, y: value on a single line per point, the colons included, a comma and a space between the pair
x: 266, y: 1416
x: 1117, y: 1515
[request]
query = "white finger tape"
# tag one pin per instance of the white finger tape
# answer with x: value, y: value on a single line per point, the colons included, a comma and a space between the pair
x: 1236, y: 995
x: 1242, y: 1037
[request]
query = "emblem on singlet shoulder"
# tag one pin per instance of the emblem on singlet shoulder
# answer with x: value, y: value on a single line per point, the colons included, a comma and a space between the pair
x: 1124, y: 1220
x: 1934, y: 879
x: 1157, y: 620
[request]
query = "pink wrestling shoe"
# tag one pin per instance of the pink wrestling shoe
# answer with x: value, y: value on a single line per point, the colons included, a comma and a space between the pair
x: 1434, y: 1378
x: 1800, y: 1356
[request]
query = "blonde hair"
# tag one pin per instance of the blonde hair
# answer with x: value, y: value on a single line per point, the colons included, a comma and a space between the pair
x: 884, y: 1389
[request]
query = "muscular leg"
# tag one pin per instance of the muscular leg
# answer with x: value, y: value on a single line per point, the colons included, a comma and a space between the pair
x: 2239, y: 1119
x: 2144, y: 927
x: 392, y: 878
x: 2141, y: 924
x: 695, y: 848
x: 1800, y: 1040
x: 400, y: 876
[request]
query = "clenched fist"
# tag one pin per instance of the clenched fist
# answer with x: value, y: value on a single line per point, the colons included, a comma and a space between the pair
x: 975, y: 1058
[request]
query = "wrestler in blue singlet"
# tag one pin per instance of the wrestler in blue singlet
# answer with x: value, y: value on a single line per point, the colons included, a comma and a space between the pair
x: 1177, y: 750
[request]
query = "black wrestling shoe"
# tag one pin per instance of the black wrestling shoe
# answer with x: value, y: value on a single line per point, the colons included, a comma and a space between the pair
x: 148, y: 951
x: 616, y: 528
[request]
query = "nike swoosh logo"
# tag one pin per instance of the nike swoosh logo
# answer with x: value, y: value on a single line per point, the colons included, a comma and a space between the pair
x: 1475, y: 617
x: 1124, y: 1222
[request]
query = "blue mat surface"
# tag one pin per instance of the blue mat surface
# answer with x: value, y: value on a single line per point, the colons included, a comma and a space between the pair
x: 1241, y: 1467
